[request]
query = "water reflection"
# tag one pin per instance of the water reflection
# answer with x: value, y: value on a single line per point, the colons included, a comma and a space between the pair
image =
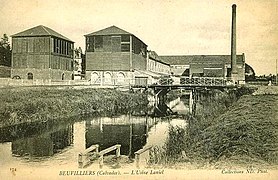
x: 57, y: 144
x: 64, y: 140
x: 131, y: 132
x: 45, y: 144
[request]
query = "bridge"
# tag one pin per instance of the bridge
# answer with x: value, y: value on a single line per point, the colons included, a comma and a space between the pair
x: 190, y: 82
x: 193, y: 84
x: 161, y: 86
x: 164, y: 81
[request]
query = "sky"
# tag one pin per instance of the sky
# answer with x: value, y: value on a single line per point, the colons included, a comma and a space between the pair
x: 169, y: 27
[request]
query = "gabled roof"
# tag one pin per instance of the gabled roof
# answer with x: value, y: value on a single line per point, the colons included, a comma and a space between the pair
x: 40, y: 31
x: 112, y: 30
x: 191, y: 59
x: 154, y: 56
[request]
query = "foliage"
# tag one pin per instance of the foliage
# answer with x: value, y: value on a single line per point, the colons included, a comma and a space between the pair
x: 26, y: 104
x: 5, y: 51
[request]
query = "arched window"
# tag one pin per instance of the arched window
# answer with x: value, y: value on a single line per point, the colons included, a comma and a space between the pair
x: 95, y: 79
x: 107, y: 78
x: 120, y: 78
x: 30, y: 76
x: 63, y: 76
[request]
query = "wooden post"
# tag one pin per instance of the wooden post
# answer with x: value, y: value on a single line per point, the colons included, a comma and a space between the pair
x: 118, y: 151
x: 80, y: 160
x: 138, y: 153
x: 84, y: 157
x: 100, y: 161
x: 137, y: 159
x: 191, y: 102
x: 97, y: 148
x: 116, y: 147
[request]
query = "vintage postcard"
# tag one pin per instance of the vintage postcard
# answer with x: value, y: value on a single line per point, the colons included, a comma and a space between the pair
x: 133, y: 89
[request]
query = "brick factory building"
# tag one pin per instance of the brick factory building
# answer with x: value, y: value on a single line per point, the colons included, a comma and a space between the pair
x: 114, y: 56
x: 205, y: 65
x: 42, y: 53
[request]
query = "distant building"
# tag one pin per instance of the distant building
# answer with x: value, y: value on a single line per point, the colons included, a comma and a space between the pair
x: 205, y: 65
x: 155, y: 64
x: 78, y: 58
x: 114, y: 56
x: 42, y: 53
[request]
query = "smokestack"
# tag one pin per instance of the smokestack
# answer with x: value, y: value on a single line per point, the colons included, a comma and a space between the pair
x: 233, y: 45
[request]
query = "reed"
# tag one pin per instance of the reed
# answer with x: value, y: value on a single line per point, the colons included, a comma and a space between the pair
x: 41, y: 104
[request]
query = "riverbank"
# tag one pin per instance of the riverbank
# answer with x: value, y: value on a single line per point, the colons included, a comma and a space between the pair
x: 230, y: 132
x: 21, y: 105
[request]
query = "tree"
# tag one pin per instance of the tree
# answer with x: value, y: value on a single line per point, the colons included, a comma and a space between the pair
x: 5, y: 51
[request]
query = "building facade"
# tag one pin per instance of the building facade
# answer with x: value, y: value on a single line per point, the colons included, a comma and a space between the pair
x: 115, y: 56
x: 154, y: 64
x: 42, y: 53
x: 206, y: 65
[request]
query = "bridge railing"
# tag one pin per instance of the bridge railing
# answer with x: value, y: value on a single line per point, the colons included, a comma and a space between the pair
x: 205, y: 81
x: 169, y: 80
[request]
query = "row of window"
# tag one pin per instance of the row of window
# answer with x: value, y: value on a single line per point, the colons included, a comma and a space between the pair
x: 115, y: 43
x: 108, y: 43
x: 62, y: 47
x: 158, y: 67
x: 63, y: 64
x: 107, y: 78
x: 41, y: 62
x: 23, y: 62
x: 32, y: 45
x: 42, y: 45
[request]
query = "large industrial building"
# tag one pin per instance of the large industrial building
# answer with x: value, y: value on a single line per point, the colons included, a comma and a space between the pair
x: 205, y: 65
x: 42, y: 53
x: 115, y: 56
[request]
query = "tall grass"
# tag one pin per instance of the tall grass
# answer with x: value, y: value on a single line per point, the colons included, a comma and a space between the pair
x: 33, y: 104
x: 243, y: 131
x: 203, y: 140
x: 173, y: 149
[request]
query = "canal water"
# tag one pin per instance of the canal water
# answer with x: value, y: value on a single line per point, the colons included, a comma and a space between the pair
x: 52, y: 144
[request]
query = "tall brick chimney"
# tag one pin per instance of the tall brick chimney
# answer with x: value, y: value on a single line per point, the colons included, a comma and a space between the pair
x: 233, y: 45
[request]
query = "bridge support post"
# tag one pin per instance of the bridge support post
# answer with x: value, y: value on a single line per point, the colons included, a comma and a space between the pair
x: 193, y: 97
x: 161, y: 109
x: 191, y: 102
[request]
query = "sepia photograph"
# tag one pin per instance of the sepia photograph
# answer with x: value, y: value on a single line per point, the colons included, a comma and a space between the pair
x: 134, y: 89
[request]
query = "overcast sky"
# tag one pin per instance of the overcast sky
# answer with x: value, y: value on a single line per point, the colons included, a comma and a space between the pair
x: 169, y: 27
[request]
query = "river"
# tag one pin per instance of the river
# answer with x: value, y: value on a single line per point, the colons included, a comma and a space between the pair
x: 57, y: 145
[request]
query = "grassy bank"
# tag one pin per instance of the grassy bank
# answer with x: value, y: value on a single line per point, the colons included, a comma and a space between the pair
x: 41, y: 104
x: 247, y: 133
x: 232, y: 129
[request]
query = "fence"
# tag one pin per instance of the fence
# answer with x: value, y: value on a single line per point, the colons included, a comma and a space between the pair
x: 40, y: 82
x: 85, y: 158
x: 114, y: 82
x: 138, y: 153
x: 205, y: 81
x: 116, y: 147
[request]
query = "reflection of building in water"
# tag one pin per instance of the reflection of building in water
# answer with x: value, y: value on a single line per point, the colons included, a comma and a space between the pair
x: 130, y: 132
x: 45, y: 144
